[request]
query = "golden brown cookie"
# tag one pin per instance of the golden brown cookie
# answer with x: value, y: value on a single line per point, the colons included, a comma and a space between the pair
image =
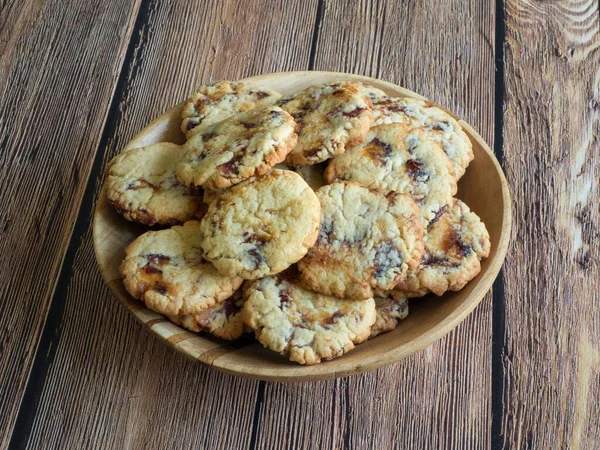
x: 367, y: 240
x: 301, y: 324
x: 141, y: 185
x: 330, y: 117
x: 261, y: 226
x: 166, y: 270
x: 238, y: 148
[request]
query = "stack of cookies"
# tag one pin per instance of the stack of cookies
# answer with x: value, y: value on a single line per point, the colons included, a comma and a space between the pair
x: 308, y: 220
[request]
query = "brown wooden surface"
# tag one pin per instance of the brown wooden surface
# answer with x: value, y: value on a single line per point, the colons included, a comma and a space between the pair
x: 550, y: 359
x: 58, y: 67
x: 81, y: 77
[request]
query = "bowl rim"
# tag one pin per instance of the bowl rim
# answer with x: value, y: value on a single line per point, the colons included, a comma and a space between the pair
x: 212, y: 357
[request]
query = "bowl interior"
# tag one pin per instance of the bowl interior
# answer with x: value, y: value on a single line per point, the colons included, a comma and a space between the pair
x: 483, y: 188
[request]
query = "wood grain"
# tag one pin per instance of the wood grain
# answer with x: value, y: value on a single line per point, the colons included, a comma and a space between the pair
x: 551, y: 363
x: 111, y: 384
x: 439, y: 398
x: 56, y: 81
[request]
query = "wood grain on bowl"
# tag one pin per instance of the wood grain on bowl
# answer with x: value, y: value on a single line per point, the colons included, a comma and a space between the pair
x: 483, y: 188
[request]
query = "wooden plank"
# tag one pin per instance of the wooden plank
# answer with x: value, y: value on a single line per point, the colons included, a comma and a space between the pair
x: 111, y: 384
x: 439, y: 398
x: 551, y: 356
x: 56, y: 82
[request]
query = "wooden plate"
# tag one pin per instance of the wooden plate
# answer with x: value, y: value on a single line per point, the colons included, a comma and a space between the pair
x: 483, y: 188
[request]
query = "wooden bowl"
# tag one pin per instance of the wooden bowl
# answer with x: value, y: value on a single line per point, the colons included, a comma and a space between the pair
x: 483, y: 188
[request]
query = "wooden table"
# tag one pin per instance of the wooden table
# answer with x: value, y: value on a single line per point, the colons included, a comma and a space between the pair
x: 80, y: 78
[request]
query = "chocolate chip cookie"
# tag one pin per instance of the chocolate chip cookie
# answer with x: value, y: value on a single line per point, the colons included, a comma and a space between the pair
x: 261, y: 226
x: 238, y: 148
x: 166, y: 270
x: 141, y: 185
x: 367, y: 240
x: 330, y: 117
x: 305, y: 326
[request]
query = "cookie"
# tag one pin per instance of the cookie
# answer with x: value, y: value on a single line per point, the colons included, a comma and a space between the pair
x: 238, y: 148
x: 218, y: 101
x: 456, y: 242
x: 261, y: 226
x: 305, y: 326
x: 389, y: 312
x: 330, y: 117
x: 394, y: 158
x: 223, y: 320
x: 141, y: 185
x: 367, y: 240
x: 439, y: 126
x: 166, y: 270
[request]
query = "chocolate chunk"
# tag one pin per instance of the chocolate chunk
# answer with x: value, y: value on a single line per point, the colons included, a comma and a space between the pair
x: 464, y: 249
x: 193, y: 124
x: 331, y: 319
x: 161, y: 289
x: 440, y: 126
x: 248, y: 125
x: 416, y: 171
x: 326, y: 231
x: 261, y: 94
x: 379, y: 150
x: 230, y: 306
x: 151, y: 270
x: 440, y: 212
x: 354, y: 113
x: 284, y: 298
x: 387, y: 257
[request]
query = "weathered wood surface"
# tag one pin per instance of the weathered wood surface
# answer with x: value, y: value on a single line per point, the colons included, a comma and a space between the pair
x: 551, y: 351
x: 58, y: 67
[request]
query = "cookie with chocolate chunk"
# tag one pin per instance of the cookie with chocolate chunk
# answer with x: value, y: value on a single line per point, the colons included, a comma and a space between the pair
x: 165, y: 269
x: 238, y: 148
x: 395, y: 158
x: 261, y: 226
x: 305, y: 326
x: 438, y: 125
x: 223, y: 320
x: 141, y: 185
x: 367, y: 240
x: 456, y: 242
x: 218, y: 101
x: 390, y: 310
x: 330, y: 117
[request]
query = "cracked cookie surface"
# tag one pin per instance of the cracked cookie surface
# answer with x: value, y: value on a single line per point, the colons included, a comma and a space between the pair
x: 222, y: 320
x: 439, y: 126
x: 330, y: 117
x: 261, y: 226
x: 456, y: 242
x: 165, y: 269
x: 367, y: 240
x: 305, y: 326
x: 142, y: 186
x: 245, y: 145
x: 394, y: 158
x: 218, y: 101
